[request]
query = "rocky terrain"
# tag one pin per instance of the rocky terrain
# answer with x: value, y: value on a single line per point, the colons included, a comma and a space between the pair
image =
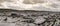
x: 29, y: 18
x: 29, y: 12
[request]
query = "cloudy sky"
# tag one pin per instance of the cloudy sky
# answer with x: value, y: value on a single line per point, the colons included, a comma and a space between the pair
x: 46, y: 5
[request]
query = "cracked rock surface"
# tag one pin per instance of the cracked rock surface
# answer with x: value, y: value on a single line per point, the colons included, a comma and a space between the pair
x: 29, y: 18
